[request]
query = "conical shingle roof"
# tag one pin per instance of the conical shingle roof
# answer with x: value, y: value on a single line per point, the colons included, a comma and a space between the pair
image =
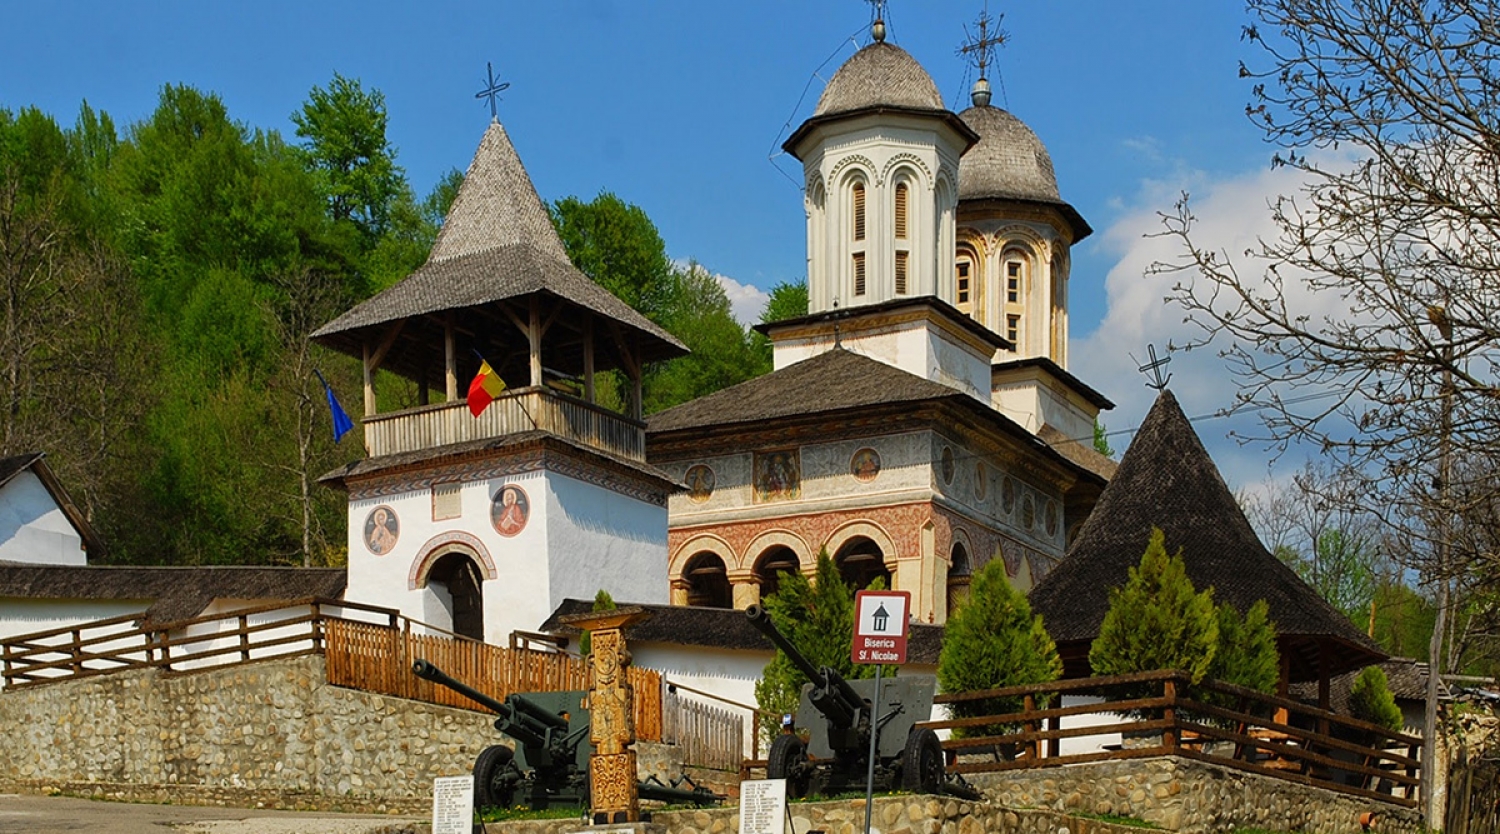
x: 497, y: 243
x: 1166, y: 479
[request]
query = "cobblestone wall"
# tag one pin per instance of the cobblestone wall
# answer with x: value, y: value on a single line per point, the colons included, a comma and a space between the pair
x: 1188, y: 796
x: 267, y: 729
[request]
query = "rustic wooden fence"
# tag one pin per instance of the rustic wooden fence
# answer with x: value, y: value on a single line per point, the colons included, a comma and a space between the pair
x: 1473, y: 794
x: 366, y: 647
x: 1164, y: 713
x: 705, y: 735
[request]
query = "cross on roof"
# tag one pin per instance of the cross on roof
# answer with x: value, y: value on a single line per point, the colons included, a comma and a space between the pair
x: 979, y: 48
x: 877, y: 9
x: 492, y: 90
x: 1154, y: 368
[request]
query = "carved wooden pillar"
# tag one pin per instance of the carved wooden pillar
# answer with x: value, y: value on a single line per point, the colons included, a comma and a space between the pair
x: 611, y: 704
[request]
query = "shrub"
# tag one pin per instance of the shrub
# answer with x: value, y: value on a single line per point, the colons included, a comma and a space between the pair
x: 991, y: 641
x: 602, y: 602
x: 1157, y: 620
x: 1370, y: 699
x: 1246, y: 655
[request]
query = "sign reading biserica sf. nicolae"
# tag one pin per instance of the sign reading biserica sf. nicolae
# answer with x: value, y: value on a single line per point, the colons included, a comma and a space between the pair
x: 880, y: 626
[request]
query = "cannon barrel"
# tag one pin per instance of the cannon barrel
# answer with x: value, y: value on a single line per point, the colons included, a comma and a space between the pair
x: 653, y: 789
x: 535, y: 712
x: 831, y: 694
x: 428, y: 672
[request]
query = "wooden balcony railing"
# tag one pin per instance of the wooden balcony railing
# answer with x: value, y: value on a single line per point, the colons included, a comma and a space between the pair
x: 1164, y: 713
x: 515, y: 411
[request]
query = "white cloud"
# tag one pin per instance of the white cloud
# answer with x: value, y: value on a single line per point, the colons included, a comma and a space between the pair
x: 747, y: 301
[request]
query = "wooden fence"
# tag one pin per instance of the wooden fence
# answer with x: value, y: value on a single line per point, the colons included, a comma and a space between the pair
x: 1163, y: 713
x: 366, y: 647
x: 1473, y: 794
x: 705, y: 735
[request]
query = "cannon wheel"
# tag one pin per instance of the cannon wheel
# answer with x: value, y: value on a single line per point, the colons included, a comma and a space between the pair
x: 788, y: 760
x: 491, y: 762
x: 922, y: 768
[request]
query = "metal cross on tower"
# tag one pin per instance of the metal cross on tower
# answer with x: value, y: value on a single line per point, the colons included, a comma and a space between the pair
x: 979, y: 49
x: 1154, y: 367
x: 492, y: 90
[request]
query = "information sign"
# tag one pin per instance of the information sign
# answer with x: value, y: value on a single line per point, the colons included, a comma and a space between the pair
x: 880, y: 626
x: 763, y: 806
x: 453, y: 805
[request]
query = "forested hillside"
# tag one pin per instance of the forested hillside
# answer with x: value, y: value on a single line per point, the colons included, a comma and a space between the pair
x: 158, y: 280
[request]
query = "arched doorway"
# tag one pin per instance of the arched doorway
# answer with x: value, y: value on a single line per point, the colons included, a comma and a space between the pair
x: 860, y: 562
x: 455, y: 579
x: 771, y: 565
x: 708, y: 581
x: 960, y: 573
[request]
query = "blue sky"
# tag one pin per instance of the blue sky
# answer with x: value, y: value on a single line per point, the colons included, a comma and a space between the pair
x: 680, y: 107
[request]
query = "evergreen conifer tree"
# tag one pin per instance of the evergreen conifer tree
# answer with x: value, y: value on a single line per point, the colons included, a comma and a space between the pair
x: 1247, y: 654
x: 1157, y: 620
x: 1370, y: 699
x: 602, y: 602
x: 991, y: 641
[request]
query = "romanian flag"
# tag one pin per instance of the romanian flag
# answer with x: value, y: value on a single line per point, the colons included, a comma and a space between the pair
x: 486, y: 386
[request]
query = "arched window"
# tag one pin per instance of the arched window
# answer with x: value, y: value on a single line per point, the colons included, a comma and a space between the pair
x: 968, y: 283
x: 860, y: 562
x: 959, y: 576
x: 903, y: 242
x: 1059, y: 347
x: 770, y: 567
x: 708, y: 581
x: 857, y: 208
x: 458, y: 585
x: 1016, y: 266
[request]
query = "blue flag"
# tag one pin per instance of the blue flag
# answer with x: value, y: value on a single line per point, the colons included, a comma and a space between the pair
x: 342, y: 425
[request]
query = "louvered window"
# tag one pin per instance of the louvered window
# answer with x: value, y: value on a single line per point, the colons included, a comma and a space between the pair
x: 1012, y: 328
x: 859, y: 211
x: 859, y: 273
x: 901, y: 258
x: 963, y: 281
x: 901, y: 211
x: 1013, y: 281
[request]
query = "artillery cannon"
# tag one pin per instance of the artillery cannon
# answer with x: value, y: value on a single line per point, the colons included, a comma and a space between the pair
x: 550, y: 764
x: 837, y: 712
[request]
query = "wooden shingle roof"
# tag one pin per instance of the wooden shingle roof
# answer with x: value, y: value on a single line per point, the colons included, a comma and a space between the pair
x: 497, y: 244
x: 1166, y: 479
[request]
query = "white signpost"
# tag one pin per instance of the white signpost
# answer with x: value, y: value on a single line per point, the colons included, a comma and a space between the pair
x: 453, y: 805
x: 762, y: 806
x: 880, y: 638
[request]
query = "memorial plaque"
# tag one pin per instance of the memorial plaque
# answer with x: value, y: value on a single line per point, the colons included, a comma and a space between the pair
x: 453, y: 805
x: 762, y: 806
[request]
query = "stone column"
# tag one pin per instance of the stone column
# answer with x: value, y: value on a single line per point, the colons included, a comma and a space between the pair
x: 746, y: 587
x: 680, y: 592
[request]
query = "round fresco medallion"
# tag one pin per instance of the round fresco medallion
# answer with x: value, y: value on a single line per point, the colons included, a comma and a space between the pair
x: 1028, y: 512
x: 510, y: 510
x: 700, y: 482
x: 381, y: 530
x: 865, y: 465
x: 1049, y: 518
x: 947, y: 464
x: 981, y: 481
x: 1008, y: 495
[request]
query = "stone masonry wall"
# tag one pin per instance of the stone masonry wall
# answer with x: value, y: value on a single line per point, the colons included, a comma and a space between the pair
x: 267, y: 729
x: 1189, y: 796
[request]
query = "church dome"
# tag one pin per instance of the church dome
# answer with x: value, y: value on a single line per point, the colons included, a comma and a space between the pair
x: 880, y: 75
x: 1009, y: 162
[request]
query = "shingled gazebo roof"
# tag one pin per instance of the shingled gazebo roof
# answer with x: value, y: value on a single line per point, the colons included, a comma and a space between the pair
x: 1166, y: 479
x: 497, y: 245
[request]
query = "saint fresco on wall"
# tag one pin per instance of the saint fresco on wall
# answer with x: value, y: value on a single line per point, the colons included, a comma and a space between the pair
x: 510, y: 510
x: 865, y: 465
x: 778, y: 475
x: 700, y: 483
x: 381, y: 530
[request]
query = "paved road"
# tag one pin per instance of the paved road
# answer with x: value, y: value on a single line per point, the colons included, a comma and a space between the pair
x: 58, y: 814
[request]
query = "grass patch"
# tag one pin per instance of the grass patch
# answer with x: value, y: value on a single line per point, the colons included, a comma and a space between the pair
x: 1116, y: 819
x: 511, y: 814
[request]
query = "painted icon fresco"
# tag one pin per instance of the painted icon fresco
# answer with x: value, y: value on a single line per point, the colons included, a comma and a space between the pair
x: 865, y: 465
x: 510, y: 510
x: 778, y: 475
x: 700, y: 482
x: 382, y: 528
x: 947, y: 464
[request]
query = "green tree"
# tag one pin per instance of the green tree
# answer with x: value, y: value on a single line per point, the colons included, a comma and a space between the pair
x: 1157, y: 620
x: 788, y: 301
x: 1101, y: 440
x: 818, y: 618
x: 1370, y: 699
x: 993, y: 641
x: 343, y: 129
x: 617, y: 245
x: 697, y: 311
x: 1246, y: 653
x: 602, y: 602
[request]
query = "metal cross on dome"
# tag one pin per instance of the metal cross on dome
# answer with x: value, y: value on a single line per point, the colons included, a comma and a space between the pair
x: 492, y: 90
x: 979, y: 48
x: 1154, y: 367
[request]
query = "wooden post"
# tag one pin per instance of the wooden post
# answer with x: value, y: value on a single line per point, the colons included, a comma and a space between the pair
x: 613, y: 795
x: 244, y: 638
x: 369, y: 382
x: 1054, y: 744
x: 1169, y: 735
x: 588, y: 358
x: 450, y: 360
x: 1028, y: 703
x: 534, y: 336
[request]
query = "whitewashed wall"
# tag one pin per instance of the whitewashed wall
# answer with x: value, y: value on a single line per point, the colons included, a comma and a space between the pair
x: 33, y: 528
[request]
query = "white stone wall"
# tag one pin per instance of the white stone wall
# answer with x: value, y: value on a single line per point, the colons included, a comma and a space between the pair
x: 33, y: 528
